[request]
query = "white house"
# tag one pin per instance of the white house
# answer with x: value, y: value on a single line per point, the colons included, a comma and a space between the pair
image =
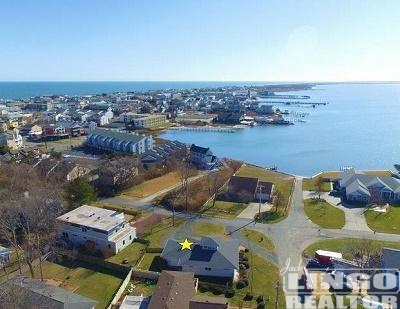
x: 96, y: 229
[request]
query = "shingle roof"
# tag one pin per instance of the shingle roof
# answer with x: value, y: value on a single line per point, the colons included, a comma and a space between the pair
x: 391, y: 258
x: 206, y: 302
x: 117, y: 135
x: 239, y: 184
x: 226, y: 254
x: 49, y: 296
x: 198, y: 149
x: 173, y: 291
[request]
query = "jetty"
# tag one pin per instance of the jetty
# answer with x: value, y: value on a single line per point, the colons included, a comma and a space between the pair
x: 296, y: 103
x: 207, y: 129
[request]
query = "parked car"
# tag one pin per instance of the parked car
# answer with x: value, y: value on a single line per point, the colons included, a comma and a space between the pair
x: 314, y: 264
x: 339, y: 281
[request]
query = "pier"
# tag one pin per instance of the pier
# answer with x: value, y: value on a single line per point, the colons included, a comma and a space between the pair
x: 206, y: 129
x: 295, y: 103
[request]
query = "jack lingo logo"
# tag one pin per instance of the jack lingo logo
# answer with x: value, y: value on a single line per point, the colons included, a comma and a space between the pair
x: 374, y: 288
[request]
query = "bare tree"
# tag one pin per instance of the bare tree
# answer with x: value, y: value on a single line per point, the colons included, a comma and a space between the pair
x: 319, y: 183
x: 278, y: 200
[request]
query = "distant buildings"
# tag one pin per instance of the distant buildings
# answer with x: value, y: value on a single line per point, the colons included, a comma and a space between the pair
x: 203, y: 158
x: 118, y: 141
x: 364, y: 188
x: 13, y: 141
x: 210, y: 256
x: 96, y: 229
x: 143, y: 121
x: 249, y: 189
x: 163, y: 152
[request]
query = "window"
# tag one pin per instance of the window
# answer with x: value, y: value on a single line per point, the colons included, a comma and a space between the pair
x: 109, y: 246
x: 130, y: 237
x: 208, y: 268
x: 123, y: 242
x: 84, y: 229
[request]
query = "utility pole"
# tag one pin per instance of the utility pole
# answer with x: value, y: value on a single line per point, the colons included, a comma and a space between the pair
x: 277, y: 286
x: 259, y: 203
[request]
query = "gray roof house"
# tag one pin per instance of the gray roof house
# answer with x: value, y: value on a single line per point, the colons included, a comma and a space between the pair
x: 119, y: 141
x: 365, y: 188
x: 209, y: 256
x: 39, y: 294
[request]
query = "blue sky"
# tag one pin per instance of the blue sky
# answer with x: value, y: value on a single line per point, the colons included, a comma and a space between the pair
x: 255, y: 40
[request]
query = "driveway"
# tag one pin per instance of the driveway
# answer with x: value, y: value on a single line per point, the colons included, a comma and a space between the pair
x: 252, y: 209
x: 355, y: 220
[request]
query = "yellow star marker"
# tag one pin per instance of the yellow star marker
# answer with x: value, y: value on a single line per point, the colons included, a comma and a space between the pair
x: 186, y: 244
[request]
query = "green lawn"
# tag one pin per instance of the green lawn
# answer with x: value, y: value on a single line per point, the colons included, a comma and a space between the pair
x: 347, y: 245
x: 223, y: 209
x: 388, y: 222
x: 158, y: 233
x: 282, y: 182
x: 152, y: 261
x: 309, y: 184
x: 131, y: 253
x: 208, y: 229
x: 324, y: 214
x: 141, y: 287
x: 258, y: 238
x: 152, y: 186
x: 99, y: 286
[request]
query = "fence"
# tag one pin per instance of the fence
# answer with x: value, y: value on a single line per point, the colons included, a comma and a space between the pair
x: 145, y: 274
x: 121, y: 290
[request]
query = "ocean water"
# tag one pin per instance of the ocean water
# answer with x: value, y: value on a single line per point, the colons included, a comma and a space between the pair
x: 22, y: 90
x: 359, y: 127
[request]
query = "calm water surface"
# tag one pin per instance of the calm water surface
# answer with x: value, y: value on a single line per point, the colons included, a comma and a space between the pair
x: 359, y: 128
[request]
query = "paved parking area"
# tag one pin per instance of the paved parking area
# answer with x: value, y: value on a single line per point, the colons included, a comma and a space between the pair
x: 252, y: 209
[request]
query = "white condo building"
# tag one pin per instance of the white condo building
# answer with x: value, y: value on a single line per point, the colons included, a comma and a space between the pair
x: 97, y: 228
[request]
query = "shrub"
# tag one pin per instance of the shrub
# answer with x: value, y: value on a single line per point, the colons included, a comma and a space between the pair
x: 260, y: 299
x: 229, y: 293
x: 246, y: 282
x: 244, y: 258
x: 241, y: 266
x: 217, y: 290
x: 246, y: 264
x: 248, y: 296
x: 261, y: 305
x: 240, y: 284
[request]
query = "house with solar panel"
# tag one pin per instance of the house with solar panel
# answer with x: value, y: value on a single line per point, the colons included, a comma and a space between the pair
x: 209, y: 256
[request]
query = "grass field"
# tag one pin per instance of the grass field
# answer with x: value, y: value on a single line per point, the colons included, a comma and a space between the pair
x: 324, y: 214
x: 223, y: 209
x: 208, y: 229
x: 131, y: 253
x: 151, y: 261
x: 258, y: 238
x: 347, y: 245
x: 157, y: 234
x: 282, y: 182
x: 388, y: 222
x: 309, y: 184
x: 142, y: 287
x: 152, y: 186
x: 99, y: 286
